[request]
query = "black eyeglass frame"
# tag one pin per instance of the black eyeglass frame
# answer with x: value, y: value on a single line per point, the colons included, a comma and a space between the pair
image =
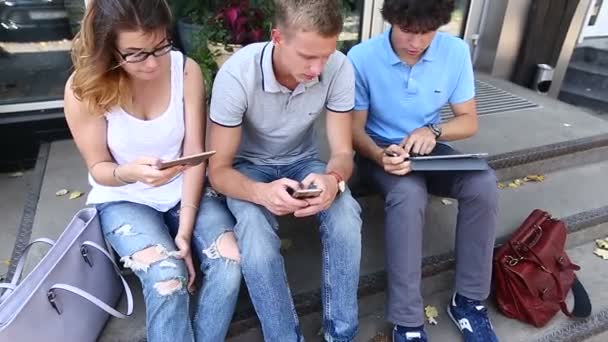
x: 146, y: 54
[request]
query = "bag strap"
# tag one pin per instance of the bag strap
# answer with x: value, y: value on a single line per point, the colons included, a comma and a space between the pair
x: 582, y: 304
x: 20, y: 265
x: 94, y: 300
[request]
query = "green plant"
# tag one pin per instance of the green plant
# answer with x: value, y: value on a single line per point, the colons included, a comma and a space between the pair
x: 204, y: 57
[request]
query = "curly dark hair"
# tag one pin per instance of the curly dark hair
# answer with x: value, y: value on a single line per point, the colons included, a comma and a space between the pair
x: 418, y: 16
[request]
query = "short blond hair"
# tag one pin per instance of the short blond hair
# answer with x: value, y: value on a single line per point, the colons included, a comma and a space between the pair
x: 321, y: 16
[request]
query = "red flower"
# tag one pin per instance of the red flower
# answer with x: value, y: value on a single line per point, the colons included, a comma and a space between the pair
x: 244, y: 24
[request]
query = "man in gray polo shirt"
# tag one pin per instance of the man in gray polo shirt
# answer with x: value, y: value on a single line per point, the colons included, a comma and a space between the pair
x: 265, y: 102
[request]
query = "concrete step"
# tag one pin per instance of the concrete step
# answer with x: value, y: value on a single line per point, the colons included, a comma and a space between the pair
x: 550, y: 128
x: 591, y: 96
x: 587, y: 75
x: 563, y: 193
x: 591, y: 54
x: 373, y: 326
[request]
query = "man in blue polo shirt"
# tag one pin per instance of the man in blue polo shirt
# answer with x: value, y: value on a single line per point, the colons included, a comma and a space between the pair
x: 403, y: 78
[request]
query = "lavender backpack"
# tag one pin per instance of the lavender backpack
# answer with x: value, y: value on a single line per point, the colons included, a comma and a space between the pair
x: 70, y: 294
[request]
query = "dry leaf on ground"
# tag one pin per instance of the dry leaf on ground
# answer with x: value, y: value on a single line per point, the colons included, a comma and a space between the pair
x: 446, y: 201
x: 602, y: 253
x: 6, y: 262
x: 501, y: 185
x: 513, y: 185
x: 76, y: 194
x: 534, y: 178
x: 602, y: 243
x: 431, y: 313
x: 62, y: 192
x: 380, y: 337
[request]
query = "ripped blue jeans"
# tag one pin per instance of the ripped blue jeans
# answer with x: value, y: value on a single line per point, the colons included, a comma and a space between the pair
x: 222, y: 271
x: 143, y: 238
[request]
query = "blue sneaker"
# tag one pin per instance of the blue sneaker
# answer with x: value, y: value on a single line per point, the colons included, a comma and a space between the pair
x: 472, y: 319
x: 405, y: 334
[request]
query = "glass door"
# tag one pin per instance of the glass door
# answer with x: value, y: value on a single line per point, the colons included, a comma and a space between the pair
x: 456, y: 26
x: 353, y: 22
x: 35, y: 42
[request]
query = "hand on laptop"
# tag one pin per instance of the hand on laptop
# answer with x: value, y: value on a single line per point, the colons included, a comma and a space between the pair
x: 421, y: 141
x: 395, y: 160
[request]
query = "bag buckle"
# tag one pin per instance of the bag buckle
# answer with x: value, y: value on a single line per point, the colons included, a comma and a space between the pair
x: 512, y: 261
x: 52, y: 297
x: 85, y: 255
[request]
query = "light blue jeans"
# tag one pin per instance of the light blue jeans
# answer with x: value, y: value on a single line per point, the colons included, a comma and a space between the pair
x: 264, y: 271
x: 132, y: 227
x: 222, y: 276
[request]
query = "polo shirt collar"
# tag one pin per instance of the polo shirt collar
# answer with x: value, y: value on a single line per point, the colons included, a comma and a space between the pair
x: 391, y: 55
x: 269, y: 81
x: 429, y: 55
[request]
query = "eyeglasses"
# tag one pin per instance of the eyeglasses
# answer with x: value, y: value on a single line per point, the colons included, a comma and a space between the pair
x: 140, y: 56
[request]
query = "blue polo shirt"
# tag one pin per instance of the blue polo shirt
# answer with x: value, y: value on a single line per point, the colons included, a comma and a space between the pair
x: 400, y: 98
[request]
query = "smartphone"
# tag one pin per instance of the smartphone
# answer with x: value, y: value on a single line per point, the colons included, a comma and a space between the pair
x: 191, y: 160
x: 306, y: 193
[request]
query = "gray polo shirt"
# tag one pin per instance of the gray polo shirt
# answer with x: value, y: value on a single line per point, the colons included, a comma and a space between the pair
x: 278, y: 125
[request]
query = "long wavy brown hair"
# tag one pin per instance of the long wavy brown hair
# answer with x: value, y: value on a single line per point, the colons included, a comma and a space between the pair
x: 98, y: 80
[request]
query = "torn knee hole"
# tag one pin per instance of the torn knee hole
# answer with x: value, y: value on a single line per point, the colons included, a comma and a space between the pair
x: 168, y: 287
x: 141, y: 260
x: 224, y: 247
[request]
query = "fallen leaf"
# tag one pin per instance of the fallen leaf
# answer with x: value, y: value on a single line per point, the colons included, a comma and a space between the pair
x: 446, y: 201
x: 501, y: 185
x: 16, y: 174
x: 534, y: 178
x: 76, y: 194
x: 286, y: 244
x: 62, y: 192
x: 7, y: 262
x: 519, y: 182
x: 602, y: 243
x: 602, y: 253
x: 380, y: 337
x: 431, y: 313
x: 513, y: 185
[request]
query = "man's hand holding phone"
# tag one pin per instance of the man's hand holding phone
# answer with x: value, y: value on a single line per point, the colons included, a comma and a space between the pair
x: 395, y: 160
x: 329, y: 189
x: 144, y: 170
x: 275, y: 196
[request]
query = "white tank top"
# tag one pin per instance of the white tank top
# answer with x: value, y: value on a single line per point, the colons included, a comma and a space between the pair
x: 129, y: 138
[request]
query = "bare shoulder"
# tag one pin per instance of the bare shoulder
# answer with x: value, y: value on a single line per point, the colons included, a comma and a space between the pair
x: 192, y: 70
x: 193, y: 78
x: 73, y: 107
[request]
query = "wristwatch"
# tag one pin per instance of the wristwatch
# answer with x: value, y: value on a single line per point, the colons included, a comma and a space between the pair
x: 435, y: 129
x: 339, y: 179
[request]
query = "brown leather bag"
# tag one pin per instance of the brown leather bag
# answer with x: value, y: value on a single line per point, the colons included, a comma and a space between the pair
x: 533, y: 274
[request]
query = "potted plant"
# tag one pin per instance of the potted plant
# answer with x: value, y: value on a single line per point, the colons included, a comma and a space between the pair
x: 236, y: 24
x: 192, y: 16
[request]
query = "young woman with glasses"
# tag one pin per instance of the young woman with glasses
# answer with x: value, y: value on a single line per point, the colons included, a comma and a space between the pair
x: 131, y: 101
